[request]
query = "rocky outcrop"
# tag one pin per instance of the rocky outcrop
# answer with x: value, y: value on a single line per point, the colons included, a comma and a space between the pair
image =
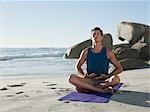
x: 136, y: 52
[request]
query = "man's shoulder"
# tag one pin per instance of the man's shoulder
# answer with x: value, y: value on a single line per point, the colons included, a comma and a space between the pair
x: 109, y: 52
x: 86, y: 49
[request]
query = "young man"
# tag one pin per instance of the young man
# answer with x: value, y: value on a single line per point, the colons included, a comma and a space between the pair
x: 97, y: 59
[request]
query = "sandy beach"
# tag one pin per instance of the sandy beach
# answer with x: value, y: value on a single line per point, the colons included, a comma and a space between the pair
x: 42, y: 94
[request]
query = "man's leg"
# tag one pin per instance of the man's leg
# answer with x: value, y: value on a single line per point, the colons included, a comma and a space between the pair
x: 83, y: 90
x: 111, y: 83
x: 83, y: 83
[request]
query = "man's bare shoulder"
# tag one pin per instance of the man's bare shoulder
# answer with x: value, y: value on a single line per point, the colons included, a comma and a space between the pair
x: 84, y: 52
x: 110, y: 54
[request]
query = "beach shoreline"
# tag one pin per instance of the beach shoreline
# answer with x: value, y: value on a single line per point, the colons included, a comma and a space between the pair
x: 42, y: 94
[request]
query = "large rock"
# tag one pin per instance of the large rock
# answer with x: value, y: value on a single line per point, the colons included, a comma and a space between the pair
x: 74, y: 51
x: 116, y: 48
x: 133, y: 32
x: 127, y: 53
x: 144, y: 53
x: 123, y: 45
x: 132, y: 63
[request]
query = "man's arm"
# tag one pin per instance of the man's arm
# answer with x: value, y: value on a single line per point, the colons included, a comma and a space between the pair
x: 118, y: 68
x: 80, y: 61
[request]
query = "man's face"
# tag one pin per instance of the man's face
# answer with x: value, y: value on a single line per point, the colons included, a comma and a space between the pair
x: 96, y: 36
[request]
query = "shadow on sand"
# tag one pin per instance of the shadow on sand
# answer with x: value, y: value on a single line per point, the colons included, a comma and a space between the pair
x: 133, y: 98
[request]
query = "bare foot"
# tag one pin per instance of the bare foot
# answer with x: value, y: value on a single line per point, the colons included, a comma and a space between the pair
x: 108, y: 90
x: 103, y: 85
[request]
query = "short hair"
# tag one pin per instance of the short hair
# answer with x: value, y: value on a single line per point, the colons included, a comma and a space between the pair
x: 97, y: 28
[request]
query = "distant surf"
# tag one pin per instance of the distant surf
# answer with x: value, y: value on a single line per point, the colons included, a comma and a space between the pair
x: 19, y: 53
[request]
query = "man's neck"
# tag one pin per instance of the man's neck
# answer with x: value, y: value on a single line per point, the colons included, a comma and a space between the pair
x: 97, y: 46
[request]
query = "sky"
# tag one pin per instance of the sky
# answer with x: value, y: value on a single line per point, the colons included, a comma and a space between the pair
x: 37, y: 23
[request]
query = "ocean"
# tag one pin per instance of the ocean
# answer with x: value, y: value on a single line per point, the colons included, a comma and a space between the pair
x: 18, y: 63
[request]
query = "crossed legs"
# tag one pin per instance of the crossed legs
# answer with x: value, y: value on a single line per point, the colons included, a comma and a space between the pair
x: 83, y: 85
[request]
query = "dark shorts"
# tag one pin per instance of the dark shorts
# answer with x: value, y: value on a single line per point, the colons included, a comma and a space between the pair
x: 95, y: 82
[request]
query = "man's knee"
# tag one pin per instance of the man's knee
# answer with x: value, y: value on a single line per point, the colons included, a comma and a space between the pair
x: 79, y: 90
x: 72, y: 77
x: 115, y: 80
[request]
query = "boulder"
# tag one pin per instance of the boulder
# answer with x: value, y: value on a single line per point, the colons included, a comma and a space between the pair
x: 133, y: 32
x: 116, y: 48
x: 144, y: 53
x: 126, y: 53
x: 132, y: 63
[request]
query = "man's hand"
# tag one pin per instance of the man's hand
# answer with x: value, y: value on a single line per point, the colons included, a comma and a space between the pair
x: 101, y: 77
x: 91, y: 76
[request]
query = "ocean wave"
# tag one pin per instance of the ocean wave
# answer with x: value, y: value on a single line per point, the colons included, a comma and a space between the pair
x: 39, y: 55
